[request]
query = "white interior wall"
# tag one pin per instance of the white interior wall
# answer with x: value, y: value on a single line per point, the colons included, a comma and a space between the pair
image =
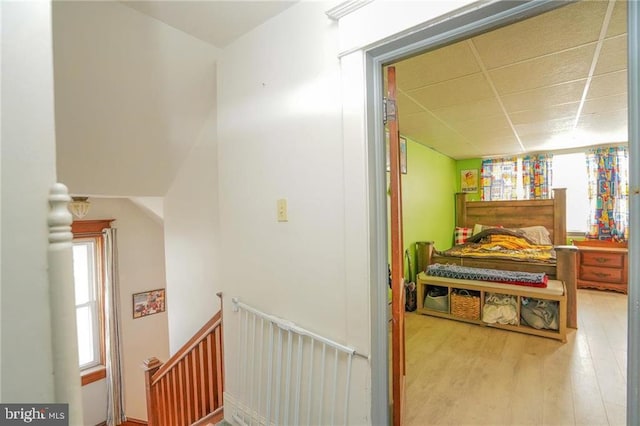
x: 292, y: 119
x: 132, y: 94
x: 280, y: 136
x: 192, y: 239
x: 142, y: 267
x: 94, y: 402
x: 28, y: 171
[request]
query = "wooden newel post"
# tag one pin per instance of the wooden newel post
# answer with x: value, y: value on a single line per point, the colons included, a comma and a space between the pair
x: 151, y: 365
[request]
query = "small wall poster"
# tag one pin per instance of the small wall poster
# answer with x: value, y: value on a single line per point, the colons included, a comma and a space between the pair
x: 148, y: 303
x: 469, y: 180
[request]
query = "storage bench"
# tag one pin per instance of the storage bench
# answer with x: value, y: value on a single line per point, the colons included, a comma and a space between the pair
x: 555, y: 292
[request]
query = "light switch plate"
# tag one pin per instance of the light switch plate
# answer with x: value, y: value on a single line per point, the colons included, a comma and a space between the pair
x: 282, y: 210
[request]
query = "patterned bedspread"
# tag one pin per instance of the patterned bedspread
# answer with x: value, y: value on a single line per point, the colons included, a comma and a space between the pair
x: 533, y: 279
x: 500, y: 243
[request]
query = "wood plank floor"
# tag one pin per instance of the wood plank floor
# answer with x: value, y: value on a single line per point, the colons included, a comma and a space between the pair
x: 463, y: 374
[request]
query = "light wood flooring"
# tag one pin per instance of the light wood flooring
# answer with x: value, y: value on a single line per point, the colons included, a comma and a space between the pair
x: 464, y: 374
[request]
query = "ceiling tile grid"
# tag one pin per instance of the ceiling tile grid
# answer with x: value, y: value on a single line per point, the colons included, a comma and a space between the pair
x: 578, y: 24
x: 546, y: 82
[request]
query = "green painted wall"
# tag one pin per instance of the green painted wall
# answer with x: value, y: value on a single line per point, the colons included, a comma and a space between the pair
x: 473, y: 163
x: 428, y: 202
x: 428, y: 191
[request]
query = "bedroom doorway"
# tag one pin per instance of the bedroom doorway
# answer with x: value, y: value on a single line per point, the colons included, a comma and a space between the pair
x: 498, y: 14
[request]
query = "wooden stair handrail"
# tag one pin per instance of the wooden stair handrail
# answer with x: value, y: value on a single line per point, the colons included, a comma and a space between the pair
x: 200, y: 335
x: 188, y: 388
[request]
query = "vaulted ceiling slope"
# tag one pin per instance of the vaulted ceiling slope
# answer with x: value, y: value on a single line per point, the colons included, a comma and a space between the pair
x: 552, y: 82
x: 216, y: 22
x: 135, y: 87
x: 131, y: 97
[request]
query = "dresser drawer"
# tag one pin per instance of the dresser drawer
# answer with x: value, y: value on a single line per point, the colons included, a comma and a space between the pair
x: 610, y: 260
x: 593, y: 273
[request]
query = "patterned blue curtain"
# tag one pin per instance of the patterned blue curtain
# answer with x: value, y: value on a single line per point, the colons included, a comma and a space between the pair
x: 536, y: 176
x: 499, y: 179
x: 608, y: 174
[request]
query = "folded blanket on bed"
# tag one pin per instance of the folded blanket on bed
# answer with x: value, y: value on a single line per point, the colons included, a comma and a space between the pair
x: 534, y: 279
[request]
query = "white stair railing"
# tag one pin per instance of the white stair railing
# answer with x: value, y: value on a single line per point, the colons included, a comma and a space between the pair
x: 288, y: 375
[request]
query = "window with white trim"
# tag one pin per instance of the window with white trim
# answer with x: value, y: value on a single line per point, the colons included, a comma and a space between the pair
x: 88, y: 292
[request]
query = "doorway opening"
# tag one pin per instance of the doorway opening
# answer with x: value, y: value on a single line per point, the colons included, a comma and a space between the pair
x: 448, y: 33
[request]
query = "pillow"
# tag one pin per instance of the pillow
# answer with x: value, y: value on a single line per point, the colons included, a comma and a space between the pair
x: 479, y: 228
x: 537, y: 234
x: 460, y: 235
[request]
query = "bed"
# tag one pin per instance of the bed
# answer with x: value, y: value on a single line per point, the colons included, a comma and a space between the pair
x: 550, y: 213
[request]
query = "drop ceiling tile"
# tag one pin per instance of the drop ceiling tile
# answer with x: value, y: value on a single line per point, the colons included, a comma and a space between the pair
x: 602, y: 137
x: 605, y: 104
x: 618, y: 22
x: 545, y: 71
x: 493, y: 122
x: 453, y: 92
x: 456, y: 149
x: 436, y: 66
x: 461, y: 151
x: 550, y: 127
x: 544, y: 97
x: 563, y: 28
x: 491, y: 128
x: 605, y: 124
x: 486, y: 133
x: 550, y: 141
x: 613, y: 55
x: 500, y: 146
x: 426, y: 129
x: 417, y: 122
x: 470, y: 110
x: 614, y: 83
x: 406, y: 105
x: 542, y: 115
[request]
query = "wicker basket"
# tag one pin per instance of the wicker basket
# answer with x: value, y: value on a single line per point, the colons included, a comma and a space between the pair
x: 465, y: 305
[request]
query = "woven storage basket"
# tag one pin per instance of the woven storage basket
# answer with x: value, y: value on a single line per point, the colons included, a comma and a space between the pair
x: 465, y: 305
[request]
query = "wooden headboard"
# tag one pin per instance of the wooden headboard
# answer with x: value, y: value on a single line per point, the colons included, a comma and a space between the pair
x: 550, y: 213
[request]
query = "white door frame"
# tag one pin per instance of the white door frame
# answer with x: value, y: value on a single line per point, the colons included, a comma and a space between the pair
x: 472, y: 20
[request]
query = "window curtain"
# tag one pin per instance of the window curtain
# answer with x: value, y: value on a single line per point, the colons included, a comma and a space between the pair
x: 536, y: 176
x: 499, y: 179
x: 608, y: 175
x: 115, y: 397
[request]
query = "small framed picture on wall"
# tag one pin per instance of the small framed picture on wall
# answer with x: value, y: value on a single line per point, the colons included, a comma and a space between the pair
x: 403, y: 154
x: 148, y: 303
x: 469, y: 180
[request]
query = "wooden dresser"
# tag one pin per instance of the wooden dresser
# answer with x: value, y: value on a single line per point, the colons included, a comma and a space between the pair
x: 603, y: 265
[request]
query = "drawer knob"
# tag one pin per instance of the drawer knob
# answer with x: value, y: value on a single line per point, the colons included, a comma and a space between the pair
x: 601, y: 274
x: 602, y: 259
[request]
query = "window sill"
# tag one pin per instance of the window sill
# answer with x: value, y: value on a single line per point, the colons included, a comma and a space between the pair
x: 94, y: 374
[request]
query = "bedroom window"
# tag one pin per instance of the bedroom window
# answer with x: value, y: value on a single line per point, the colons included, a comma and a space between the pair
x: 570, y: 171
x: 500, y: 179
x: 516, y: 178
